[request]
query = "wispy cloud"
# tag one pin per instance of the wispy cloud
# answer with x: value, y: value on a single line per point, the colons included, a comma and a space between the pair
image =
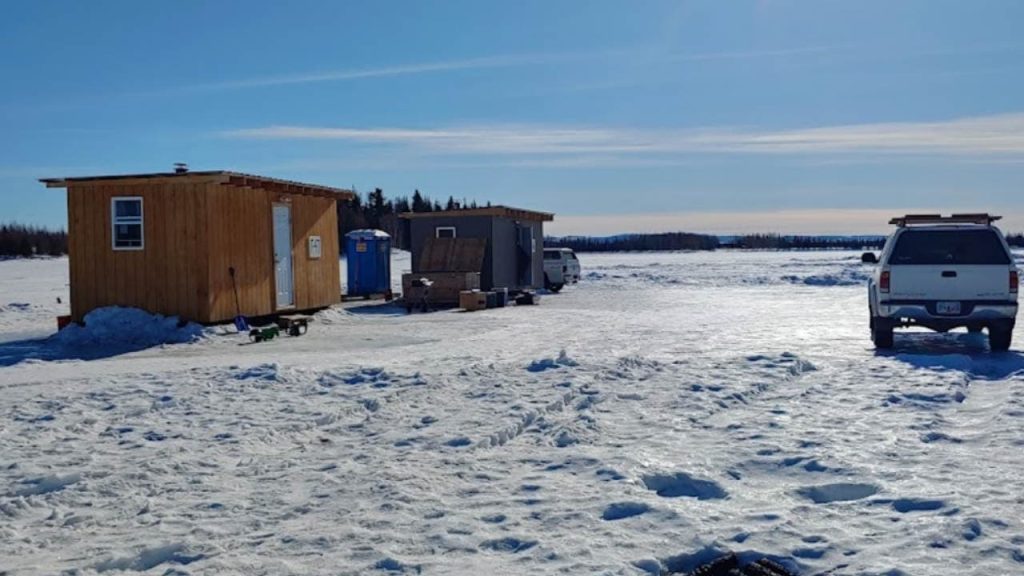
x: 384, y: 71
x: 986, y: 135
x: 491, y: 62
x: 753, y: 54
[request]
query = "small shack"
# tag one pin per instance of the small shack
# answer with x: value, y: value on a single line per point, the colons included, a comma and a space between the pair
x: 514, y: 242
x: 182, y: 243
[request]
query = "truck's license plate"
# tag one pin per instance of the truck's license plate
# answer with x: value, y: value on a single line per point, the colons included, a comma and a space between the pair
x: 947, y: 307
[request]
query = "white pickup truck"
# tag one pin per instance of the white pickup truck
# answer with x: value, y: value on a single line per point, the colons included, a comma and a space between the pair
x: 943, y: 273
x: 561, y: 267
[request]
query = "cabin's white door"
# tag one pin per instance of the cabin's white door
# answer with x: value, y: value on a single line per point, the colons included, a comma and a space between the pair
x: 283, y: 256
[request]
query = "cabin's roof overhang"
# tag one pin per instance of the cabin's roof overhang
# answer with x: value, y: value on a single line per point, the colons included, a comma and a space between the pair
x: 492, y: 211
x: 225, y: 177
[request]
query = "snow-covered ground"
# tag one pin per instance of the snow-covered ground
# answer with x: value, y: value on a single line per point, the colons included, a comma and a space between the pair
x: 704, y: 402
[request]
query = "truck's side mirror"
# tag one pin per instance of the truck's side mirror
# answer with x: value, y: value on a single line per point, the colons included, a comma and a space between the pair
x: 869, y: 258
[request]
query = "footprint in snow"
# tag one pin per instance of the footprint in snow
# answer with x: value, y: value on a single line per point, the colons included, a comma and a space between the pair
x: 841, y: 492
x: 621, y: 510
x: 512, y: 545
x: 682, y: 484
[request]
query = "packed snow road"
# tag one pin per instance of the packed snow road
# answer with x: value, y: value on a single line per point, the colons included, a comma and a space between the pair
x: 667, y: 409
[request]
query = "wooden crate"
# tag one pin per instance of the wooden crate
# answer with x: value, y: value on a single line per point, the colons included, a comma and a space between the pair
x: 472, y: 300
x: 446, y: 285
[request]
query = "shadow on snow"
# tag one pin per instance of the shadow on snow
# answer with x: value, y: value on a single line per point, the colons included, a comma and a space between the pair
x: 961, y: 352
x: 51, y: 349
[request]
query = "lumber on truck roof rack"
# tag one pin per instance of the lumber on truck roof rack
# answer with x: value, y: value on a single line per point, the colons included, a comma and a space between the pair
x: 979, y: 218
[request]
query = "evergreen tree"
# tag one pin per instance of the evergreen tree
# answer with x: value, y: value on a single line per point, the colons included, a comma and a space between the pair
x: 401, y: 205
x: 375, y: 208
x: 24, y: 241
x: 418, y: 203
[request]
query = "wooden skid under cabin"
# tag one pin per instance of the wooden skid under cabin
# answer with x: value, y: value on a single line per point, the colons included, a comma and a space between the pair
x: 167, y: 242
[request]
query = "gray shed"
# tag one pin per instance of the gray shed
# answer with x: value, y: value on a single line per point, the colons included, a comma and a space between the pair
x: 515, y: 241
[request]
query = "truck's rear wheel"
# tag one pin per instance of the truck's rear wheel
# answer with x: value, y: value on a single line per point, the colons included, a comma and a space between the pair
x: 1000, y: 337
x: 881, y: 333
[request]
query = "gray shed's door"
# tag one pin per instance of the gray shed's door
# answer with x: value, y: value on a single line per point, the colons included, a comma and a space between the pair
x: 525, y: 248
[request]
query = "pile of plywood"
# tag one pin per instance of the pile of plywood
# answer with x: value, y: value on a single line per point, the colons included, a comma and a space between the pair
x: 452, y: 265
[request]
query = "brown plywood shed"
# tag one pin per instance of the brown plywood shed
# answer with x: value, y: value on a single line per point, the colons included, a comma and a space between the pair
x: 166, y: 243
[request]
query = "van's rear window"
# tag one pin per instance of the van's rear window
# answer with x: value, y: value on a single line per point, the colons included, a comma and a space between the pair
x: 949, y: 247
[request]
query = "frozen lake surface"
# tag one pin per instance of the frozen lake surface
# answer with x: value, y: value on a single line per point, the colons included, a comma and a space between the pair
x: 668, y: 408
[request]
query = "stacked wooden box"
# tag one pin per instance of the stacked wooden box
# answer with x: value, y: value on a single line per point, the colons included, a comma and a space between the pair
x: 446, y: 285
x: 473, y: 300
x: 453, y: 265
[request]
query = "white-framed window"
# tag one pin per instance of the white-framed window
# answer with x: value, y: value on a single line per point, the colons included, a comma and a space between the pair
x: 444, y: 232
x: 126, y: 229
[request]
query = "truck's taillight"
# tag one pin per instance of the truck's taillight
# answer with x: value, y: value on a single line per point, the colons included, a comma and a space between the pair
x: 1014, y: 281
x: 883, y: 281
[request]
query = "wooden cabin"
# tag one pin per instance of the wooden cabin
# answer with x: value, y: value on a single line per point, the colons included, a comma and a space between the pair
x: 180, y: 243
x: 513, y: 256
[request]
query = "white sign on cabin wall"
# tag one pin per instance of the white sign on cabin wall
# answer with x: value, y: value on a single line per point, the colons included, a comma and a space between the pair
x: 314, y: 247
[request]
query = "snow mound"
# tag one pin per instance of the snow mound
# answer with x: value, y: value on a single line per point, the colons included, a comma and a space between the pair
x: 129, y: 328
x: 149, y: 558
x: 46, y: 484
x: 847, y: 277
x: 543, y: 364
x: 714, y: 559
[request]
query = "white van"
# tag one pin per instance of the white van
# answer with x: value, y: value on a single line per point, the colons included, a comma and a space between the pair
x: 561, y: 267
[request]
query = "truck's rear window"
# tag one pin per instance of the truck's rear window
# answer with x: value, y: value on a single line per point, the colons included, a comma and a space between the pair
x: 979, y: 247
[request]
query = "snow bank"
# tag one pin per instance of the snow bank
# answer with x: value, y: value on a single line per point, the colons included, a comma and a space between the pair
x: 128, y: 328
x: 847, y: 277
x: 552, y: 363
x: 833, y: 272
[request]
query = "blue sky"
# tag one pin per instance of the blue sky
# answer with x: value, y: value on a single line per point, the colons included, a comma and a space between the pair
x: 794, y: 116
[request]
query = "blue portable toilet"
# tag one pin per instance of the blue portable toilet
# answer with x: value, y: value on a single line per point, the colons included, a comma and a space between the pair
x: 368, y: 255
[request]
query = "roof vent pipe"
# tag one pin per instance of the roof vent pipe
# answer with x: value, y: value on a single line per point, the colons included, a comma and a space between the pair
x: 180, y: 168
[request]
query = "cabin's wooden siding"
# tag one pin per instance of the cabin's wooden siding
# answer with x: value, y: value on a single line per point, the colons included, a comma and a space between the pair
x: 241, y: 235
x: 317, y: 282
x: 167, y: 276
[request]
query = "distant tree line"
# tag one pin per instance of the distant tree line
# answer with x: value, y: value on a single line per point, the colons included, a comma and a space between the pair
x: 688, y: 241
x: 636, y: 242
x: 780, y: 242
x: 378, y: 212
x: 25, y: 241
x: 1015, y: 240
